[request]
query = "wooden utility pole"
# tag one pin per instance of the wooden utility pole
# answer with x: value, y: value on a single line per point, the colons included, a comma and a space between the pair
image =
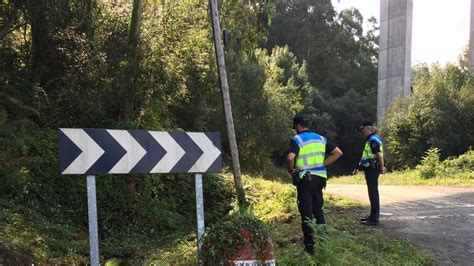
x: 227, y: 105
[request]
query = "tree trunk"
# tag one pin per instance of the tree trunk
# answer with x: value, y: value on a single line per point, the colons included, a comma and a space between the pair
x: 89, y: 18
x: 132, y: 68
x: 130, y: 78
x: 40, y: 37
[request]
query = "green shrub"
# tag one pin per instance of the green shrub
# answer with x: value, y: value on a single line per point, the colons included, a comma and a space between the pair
x: 437, y: 115
x: 224, y: 240
x: 430, y: 164
x: 463, y: 162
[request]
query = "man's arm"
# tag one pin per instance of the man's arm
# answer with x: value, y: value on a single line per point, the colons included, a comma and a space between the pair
x: 379, y: 157
x: 375, y: 147
x: 333, y: 156
x: 290, y: 162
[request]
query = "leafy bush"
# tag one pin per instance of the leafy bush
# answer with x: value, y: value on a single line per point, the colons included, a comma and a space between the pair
x: 439, y: 114
x: 463, y: 162
x: 430, y: 164
x: 225, y: 240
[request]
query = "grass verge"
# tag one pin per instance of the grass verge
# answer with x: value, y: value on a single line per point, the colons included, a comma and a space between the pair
x: 347, y: 243
x: 411, y: 177
x: 24, y: 231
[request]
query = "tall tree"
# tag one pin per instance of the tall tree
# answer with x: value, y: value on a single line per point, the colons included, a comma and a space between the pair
x: 341, y: 63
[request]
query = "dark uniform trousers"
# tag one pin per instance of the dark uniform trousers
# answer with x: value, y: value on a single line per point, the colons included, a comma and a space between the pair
x: 310, y: 204
x: 372, y: 180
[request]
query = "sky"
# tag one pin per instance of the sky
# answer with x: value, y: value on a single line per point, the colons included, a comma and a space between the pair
x: 440, y: 27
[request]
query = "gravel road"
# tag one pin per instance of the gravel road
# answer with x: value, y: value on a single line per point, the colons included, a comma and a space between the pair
x: 438, y: 219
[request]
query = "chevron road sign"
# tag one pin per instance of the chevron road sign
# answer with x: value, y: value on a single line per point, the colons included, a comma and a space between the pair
x: 101, y: 151
x: 109, y: 151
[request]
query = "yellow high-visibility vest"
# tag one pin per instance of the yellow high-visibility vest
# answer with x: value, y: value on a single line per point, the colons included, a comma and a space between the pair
x: 367, y: 154
x: 312, y: 151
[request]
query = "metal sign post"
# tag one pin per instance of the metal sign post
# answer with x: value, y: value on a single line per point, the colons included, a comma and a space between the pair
x: 199, y: 214
x: 93, y: 151
x: 92, y: 210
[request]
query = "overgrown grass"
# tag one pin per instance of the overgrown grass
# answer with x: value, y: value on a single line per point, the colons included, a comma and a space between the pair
x: 347, y: 242
x: 27, y: 236
x: 274, y: 202
x: 31, y: 235
x: 457, y: 171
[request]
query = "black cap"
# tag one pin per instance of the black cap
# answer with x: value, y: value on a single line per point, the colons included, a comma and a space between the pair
x: 367, y: 124
x: 300, y: 120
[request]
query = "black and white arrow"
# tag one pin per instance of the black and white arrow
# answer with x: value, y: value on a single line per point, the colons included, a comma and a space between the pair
x: 98, y: 151
x: 174, y: 152
x: 134, y: 151
x: 211, y: 154
x: 90, y: 151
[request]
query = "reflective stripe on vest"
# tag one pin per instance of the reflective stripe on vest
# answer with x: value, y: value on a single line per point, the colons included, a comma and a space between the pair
x: 367, y: 154
x: 311, y: 154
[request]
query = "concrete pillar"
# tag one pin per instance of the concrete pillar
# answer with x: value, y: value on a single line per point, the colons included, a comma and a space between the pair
x: 394, y: 70
x: 471, y: 40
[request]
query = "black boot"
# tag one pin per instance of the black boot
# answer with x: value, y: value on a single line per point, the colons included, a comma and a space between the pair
x: 372, y: 222
x: 309, y: 249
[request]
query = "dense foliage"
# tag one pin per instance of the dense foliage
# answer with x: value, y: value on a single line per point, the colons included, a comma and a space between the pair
x: 440, y: 114
x: 341, y: 63
x: 116, y: 64
x: 78, y: 65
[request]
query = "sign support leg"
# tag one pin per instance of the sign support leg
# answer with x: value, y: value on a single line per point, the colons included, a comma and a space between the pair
x: 92, y: 210
x: 199, y: 214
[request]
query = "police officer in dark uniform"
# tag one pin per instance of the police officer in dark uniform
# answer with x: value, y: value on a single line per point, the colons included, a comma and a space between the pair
x: 372, y: 162
x: 306, y: 162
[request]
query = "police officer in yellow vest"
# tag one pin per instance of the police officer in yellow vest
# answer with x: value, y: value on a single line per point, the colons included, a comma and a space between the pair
x: 307, y: 163
x: 372, y: 162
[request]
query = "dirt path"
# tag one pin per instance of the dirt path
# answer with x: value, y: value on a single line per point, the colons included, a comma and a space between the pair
x: 438, y: 219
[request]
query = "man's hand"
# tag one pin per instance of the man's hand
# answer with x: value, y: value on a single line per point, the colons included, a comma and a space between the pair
x: 333, y: 156
x: 290, y: 162
x: 379, y: 157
